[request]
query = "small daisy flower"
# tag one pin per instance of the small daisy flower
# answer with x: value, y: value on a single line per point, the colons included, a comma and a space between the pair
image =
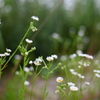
x: 17, y: 72
x: 29, y: 41
x: 72, y: 56
x: 2, y: 55
x: 87, y: 83
x: 56, y: 36
x: 7, y: 54
x: 30, y: 62
x: 97, y: 75
x: 49, y: 58
x: 73, y: 88
x: 31, y: 68
x: 96, y: 71
x: 71, y: 70
x: 80, y: 76
x: 59, y: 79
x: 8, y: 50
x: 86, y: 55
x: 70, y: 84
x: 26, y: 69
x: 35, y: 18
x: 26, y: 83
x: 54, y: 56
x: 38, y: 59
x: 74, y: 73
x: 37, y: 63
x: 63, y: 58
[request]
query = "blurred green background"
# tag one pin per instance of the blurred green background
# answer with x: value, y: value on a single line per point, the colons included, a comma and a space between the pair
x: 64, y: 27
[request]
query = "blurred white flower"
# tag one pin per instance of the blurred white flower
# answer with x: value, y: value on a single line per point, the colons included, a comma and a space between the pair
x: 26, y: 53
x: 31, y: 68
x: 72, y: 56
x: 80, y: 76
x: 70, y: 84
x: 96, y: 71
x: 54, y: 56
x: 63, y: 58
x: 97, y: 75
x: 35, y: 18
x: 38, y: 59
x: 8, y: 50
x: 56, y: 36
x: 30, y: 62
x: 74, y: 73
x: 26, y: 69
x: 86, y: 56
x: 59, y: 79
x: 29, y: 41
x: 87, y: 83
x: 26, y: 83
x: 2, y: 55
x: 7, y: 54
x: 17, y: 72
x: 71, y: 70
x: 49, y: 58
x: 37, y: 63
x: 79, y: 52
x: 73, y: 88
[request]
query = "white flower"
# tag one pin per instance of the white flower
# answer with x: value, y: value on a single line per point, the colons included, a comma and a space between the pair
x: 79, y: 52
x: 26, y: 83
x: 37, y: 63
x: 7, y: 54
x: 97, y: 71
x: 49, y: 58
x: 54, y: 56
x: 38, y: 59
x: 26, y: 69
x: 80, y: 76
x: 86, y: 55
x: 35, y: 18
x: 8, y: 50
x: 71, y: 70
x: 59, y: 79
x: 70, y: 84
x: 79, y: 66
x: 30, y: 62
x: 2, y: 55
x: 31, y: 68
x: 74, y: 73
x: 17, y: 72
x: 29, y: 41
x: 26, y: 53
x: 97, y: 75
x: 63, y: 58
x: 56, y: 36
x: 17, y: 57
x: 87, y: 83
x: 72, y: 56
x: 73, y: 88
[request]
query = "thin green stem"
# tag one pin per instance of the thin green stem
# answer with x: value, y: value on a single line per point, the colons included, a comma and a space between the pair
x: 45, y: 93
x: 64, y: 93
x: 39, y: 71
x: 34, y: 78
x: 16, y: 49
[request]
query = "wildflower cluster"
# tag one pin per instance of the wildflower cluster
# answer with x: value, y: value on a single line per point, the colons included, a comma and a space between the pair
x: 69, y: 86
